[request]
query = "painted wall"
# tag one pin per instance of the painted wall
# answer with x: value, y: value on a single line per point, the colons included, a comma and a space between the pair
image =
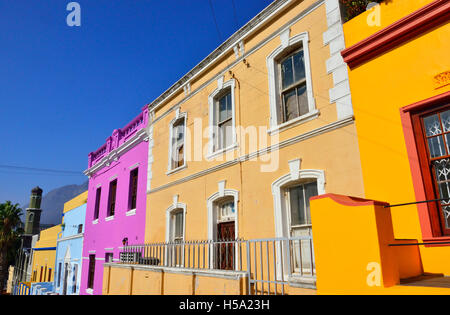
x: 44, y: 255
x: 331, y: 149
x: 70, y: 246
x: 381, y: 86
x: 105, y: 235
x: 360, y: 260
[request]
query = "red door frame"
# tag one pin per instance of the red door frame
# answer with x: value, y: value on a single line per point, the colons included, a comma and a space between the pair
x: 417, y: 154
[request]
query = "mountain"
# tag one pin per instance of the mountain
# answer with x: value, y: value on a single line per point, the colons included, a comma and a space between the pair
x: 53, y: 203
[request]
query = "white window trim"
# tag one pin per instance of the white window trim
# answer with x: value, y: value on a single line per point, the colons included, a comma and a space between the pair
x: 110, y: 218
x: 280, y: 209
x: 171, y: 170
x: 130, y: 212
x: 272, y: 67
x: 169, y: 211
x: 225, y: 85
x: 212, y: 217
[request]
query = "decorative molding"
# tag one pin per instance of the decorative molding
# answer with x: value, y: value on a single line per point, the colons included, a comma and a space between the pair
x: 272, y: 69
x: 175, y: 206
x: 405, y: 29
x: 335, y: 65
x: 302, y: 137
x: 137, y: 138
x: 294, y: 167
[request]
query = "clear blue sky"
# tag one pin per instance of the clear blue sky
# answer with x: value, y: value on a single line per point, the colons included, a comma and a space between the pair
x: 63, y: 90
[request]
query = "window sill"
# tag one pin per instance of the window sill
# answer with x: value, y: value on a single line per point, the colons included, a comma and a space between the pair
x: 130, y: 213
x: 222, y: 151
x: 294, y: 122
x: 299, y: 281
x: 95, y: 221
x: 90, y: 291
x: 176, y: 170
x: 110, y: 218
x: 437, y: 239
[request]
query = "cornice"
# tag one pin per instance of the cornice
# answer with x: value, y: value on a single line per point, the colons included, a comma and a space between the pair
x: 114, y: 155
x: 405, y: 29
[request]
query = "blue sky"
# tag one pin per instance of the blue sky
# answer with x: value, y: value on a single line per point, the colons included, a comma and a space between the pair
x: 63, y: 90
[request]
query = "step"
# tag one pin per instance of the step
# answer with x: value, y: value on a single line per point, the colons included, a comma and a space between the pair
x: 434, y: 281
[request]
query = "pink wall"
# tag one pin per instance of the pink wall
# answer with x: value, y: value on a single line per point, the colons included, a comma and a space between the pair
x: 104, y: 234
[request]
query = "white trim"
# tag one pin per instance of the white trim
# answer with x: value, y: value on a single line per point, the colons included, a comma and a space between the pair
x: 91, y: 252
x: 90, y: 291
x: 109, y: 249
x: 231, y: 84
x: 212, y: 215
x: 130, y: 212
x: 95, y: 221
x: 132, y: 167
x: 140, y: 136
x: 70, y: 237
x: 110, y: 218
x: 178, y: 116
x: 277, y: 189
x: 175, y: 206
x: 285, y: 143
x: 272, y: 68
x: 335, y: 65
x: 151, y: 143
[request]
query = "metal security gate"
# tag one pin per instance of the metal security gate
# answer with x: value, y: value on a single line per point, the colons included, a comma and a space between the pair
x: 274, y: 262
x: 270, y: 264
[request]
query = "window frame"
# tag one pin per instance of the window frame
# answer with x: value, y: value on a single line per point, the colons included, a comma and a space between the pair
x: 219, y: 92
x: 110, y: 213
x: 98, y: 194
x: 133, y: 189
x: 170, y: 167
x: 289, y: 46
x: 91, y: 272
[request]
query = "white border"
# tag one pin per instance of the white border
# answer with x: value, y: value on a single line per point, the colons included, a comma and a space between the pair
x: 272, y: 67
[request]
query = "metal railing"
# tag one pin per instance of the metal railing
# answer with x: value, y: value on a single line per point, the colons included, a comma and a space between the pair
x: 270, y: 264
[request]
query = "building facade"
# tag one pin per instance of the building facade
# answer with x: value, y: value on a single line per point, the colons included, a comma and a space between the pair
x: 68, y: 264
x: 399, y: 74
x: 115, y: 213
x: 238, y: 146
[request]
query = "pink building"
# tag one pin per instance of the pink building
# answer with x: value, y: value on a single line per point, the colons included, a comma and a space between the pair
x: 115, y: 213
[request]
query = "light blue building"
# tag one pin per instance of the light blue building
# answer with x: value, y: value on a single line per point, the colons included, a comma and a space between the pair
x: 69, y: 247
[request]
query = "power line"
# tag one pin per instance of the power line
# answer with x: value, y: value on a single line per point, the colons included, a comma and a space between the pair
x: 215, y: 20
x: 235, y: 13
x: 44, y: 170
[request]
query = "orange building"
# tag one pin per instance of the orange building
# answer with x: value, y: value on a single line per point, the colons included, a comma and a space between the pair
x: 399, y: 70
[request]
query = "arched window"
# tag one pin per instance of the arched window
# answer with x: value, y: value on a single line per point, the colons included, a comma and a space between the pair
x: 290, y: 84
x: 177, y: 146
x: 222, y: 118
x: 175, y: 233
x: 223, y: 228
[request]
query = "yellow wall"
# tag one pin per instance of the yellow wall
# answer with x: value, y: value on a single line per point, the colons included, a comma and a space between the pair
x: 76, y: 202
x: 140, y: 280
x: 335, y: 151
x: 45, y: 258
x: 359, y: 259
x: 380, y: 87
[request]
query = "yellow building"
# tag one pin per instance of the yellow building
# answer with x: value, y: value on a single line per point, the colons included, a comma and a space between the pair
x: 43, y: 265
x: 399, y: 69
x: 237, y: 147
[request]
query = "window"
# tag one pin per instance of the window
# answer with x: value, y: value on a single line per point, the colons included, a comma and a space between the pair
x: 41, y: 274
x: 74, y: 278
x: 222, y: 118
x: 91, y: 272
x: 109, y: 257
x: 223, y: 121
x: 133, y: 189
x: 97, y: 203
x: 290, y: 84
x: 435, y: 162
x: 112, y: 198
x: 177, y: 226
x: 177, y: 144
x: 297, y: 203
x: 49, y: 274
x: 294, y: 101
x: 80, y: 228
x: 59, y: 274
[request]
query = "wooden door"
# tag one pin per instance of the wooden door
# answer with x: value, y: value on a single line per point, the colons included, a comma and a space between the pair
x: 225, y: 250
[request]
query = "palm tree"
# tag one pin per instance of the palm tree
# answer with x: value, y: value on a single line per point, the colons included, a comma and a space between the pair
x: 9, y: 224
